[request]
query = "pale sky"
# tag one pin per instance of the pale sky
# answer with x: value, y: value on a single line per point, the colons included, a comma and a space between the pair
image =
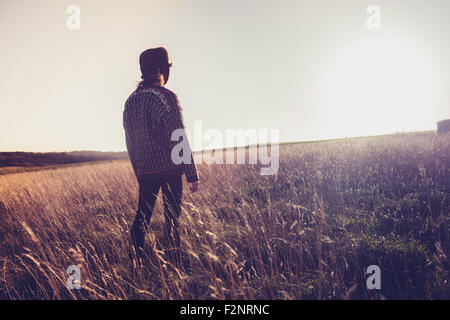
x: 312, y: 69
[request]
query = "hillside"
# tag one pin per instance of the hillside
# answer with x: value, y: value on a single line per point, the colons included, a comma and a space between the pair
x: 33, y: 159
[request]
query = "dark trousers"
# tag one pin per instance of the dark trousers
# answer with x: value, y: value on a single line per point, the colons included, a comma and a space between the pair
x: 172, y: 189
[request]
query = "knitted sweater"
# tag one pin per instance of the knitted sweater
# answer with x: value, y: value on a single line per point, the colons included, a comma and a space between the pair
x: 149, y: 118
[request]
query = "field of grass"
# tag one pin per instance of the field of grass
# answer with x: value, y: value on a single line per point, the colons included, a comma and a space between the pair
x: 334, y: 208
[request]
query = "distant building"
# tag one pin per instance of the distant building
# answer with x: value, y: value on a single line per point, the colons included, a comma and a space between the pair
x: 443, y: 126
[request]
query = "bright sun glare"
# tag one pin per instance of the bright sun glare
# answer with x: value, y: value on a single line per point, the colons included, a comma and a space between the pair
x: 381, y: 85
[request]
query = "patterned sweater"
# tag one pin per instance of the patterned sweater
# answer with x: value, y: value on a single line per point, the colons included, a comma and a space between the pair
x: 149, y: 118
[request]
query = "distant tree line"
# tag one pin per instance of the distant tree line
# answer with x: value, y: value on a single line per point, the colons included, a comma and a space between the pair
x: 31, y: 159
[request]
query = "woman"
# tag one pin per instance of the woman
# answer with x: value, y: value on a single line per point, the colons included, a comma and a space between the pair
x: 151, y: 114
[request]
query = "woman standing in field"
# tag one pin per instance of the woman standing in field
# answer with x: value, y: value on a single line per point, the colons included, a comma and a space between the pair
x: 152, y: 113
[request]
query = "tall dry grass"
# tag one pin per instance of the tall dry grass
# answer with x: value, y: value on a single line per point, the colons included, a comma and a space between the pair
x: 309, y: 233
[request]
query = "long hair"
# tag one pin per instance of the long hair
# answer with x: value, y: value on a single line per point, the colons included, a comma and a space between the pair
x: 151, y: 82
x: 158, y: 82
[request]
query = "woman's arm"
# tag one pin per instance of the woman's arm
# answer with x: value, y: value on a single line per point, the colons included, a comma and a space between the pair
x: 190, y: 169
x: 174, y: 121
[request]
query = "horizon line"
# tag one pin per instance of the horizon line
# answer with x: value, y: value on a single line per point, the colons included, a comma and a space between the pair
x: 242, y: 146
